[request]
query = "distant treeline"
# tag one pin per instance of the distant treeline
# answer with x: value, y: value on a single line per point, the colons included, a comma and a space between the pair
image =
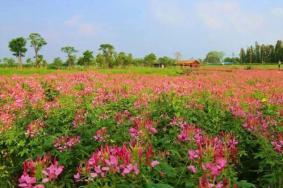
x: 107, y: 56
x: 262, y: 53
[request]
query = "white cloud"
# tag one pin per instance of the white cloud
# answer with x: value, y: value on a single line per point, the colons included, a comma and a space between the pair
x: 277, y: 12
x: 228, y: 16
x: 167, y: 12
x: 80, y: 26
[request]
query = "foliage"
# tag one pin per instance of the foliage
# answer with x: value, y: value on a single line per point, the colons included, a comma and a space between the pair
x: 70, y: 51
x: 106, y: 58
x: 150, y: 59
x: 264, y: 53
x: 214, y: 57
x: 56, y: 64
x: 18, y: 47
x: 37, y: 42
x: 166, y: 61
x: 9, y: 62
x: 86, y: 59
x: 123, y: 59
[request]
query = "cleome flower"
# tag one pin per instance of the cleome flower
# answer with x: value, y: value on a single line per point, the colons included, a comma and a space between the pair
x: 48, y: 167
x: 122, y: 160
x: 34, y: 128
x: 66, y: 142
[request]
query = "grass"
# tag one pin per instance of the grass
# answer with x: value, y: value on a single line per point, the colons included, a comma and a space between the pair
x: 254, y: 66
x: 29, y: 71
x: 143, y: 70
x: 171, y: 71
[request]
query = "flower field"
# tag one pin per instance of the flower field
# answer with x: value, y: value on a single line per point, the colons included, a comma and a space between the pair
x: 210, y: 129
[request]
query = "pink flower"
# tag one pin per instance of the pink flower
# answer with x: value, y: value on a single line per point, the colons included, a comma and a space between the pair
x: 77, y: 176
x: 214, y: 170
x: 192, y: 169
x: 26, y: 181
x: 221, y: 162
x: 93, y: 175
x: 39, y: 186
x: 52, y: 172
x: 154, y: 163
x: 133, y: 132
x: 153, y: 130
x: 66, y: 142
x: 113, y: 160
x: 101, y: 135
x: 34, y: 128
x: 193, y: 154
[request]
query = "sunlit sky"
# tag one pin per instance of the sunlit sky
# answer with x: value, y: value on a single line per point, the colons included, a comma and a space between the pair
x: 192, y: 27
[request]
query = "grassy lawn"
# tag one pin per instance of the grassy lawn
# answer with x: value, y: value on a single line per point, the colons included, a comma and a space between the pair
x: 171, y: 71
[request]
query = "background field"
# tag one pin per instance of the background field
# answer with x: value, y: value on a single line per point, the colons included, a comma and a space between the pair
x: 170, y: 71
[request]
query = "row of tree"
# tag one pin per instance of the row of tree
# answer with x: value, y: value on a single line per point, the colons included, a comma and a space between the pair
x: 254, y: 54
x: 107, y: 56
x: 262, y: 53
x: 18, y: 47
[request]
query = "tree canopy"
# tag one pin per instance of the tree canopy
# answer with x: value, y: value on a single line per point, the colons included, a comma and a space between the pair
x: 18, y: 47
x: 214, y: 57
x: 37, y: 42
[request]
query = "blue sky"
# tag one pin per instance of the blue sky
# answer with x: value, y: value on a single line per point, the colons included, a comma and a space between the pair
x: 192, y: 27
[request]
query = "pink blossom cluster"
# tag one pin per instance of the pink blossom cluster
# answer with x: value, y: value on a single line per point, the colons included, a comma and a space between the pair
x: 211, y: 158
x: 255, y: 122
x: 103, y: 96
x: 278, y: 144
x: 115, y: 160
x: 142, y: 127
x: 210, y: 155
x: 64, y: 143
x: 49, y: 169
x: 101, y: 135
x: 190, y: 133
x: 80, y: 117
x: 6, y: 121
x: 120, y: 117
x: 33, y: 128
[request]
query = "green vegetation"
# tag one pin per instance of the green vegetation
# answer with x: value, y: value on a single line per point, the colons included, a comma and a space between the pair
x: 169, y: 71
x: 18, y: 47
x: 109, y: 58
x: 262, y: 53
x: 37, y: 42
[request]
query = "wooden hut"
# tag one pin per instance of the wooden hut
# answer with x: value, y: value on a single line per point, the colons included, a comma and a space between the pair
x: 188, y: 63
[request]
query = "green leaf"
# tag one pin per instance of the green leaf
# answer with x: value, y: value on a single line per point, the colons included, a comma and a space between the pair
x: 158, y: 185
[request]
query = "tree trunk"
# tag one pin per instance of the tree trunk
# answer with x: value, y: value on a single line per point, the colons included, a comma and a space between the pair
x: 20, y: 62
x: 36, y: 59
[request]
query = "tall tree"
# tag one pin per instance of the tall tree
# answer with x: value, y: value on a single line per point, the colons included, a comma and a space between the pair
x: 70, y: 51
x: 150, y: 59
x: 242, y: 56
x: 257, y: 53
x: 108, y: 52
x: 37, y: 42
x: 166, y: 61
x: 279, y: 51
x: 18, y: 47
x: 86, y: 59
x: 123, y: 59
x: 250, y: 55
x: 214, y: 57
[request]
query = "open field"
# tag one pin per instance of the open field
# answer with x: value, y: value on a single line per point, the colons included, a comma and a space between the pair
x: 147, y: 127
x: 172, y: 71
